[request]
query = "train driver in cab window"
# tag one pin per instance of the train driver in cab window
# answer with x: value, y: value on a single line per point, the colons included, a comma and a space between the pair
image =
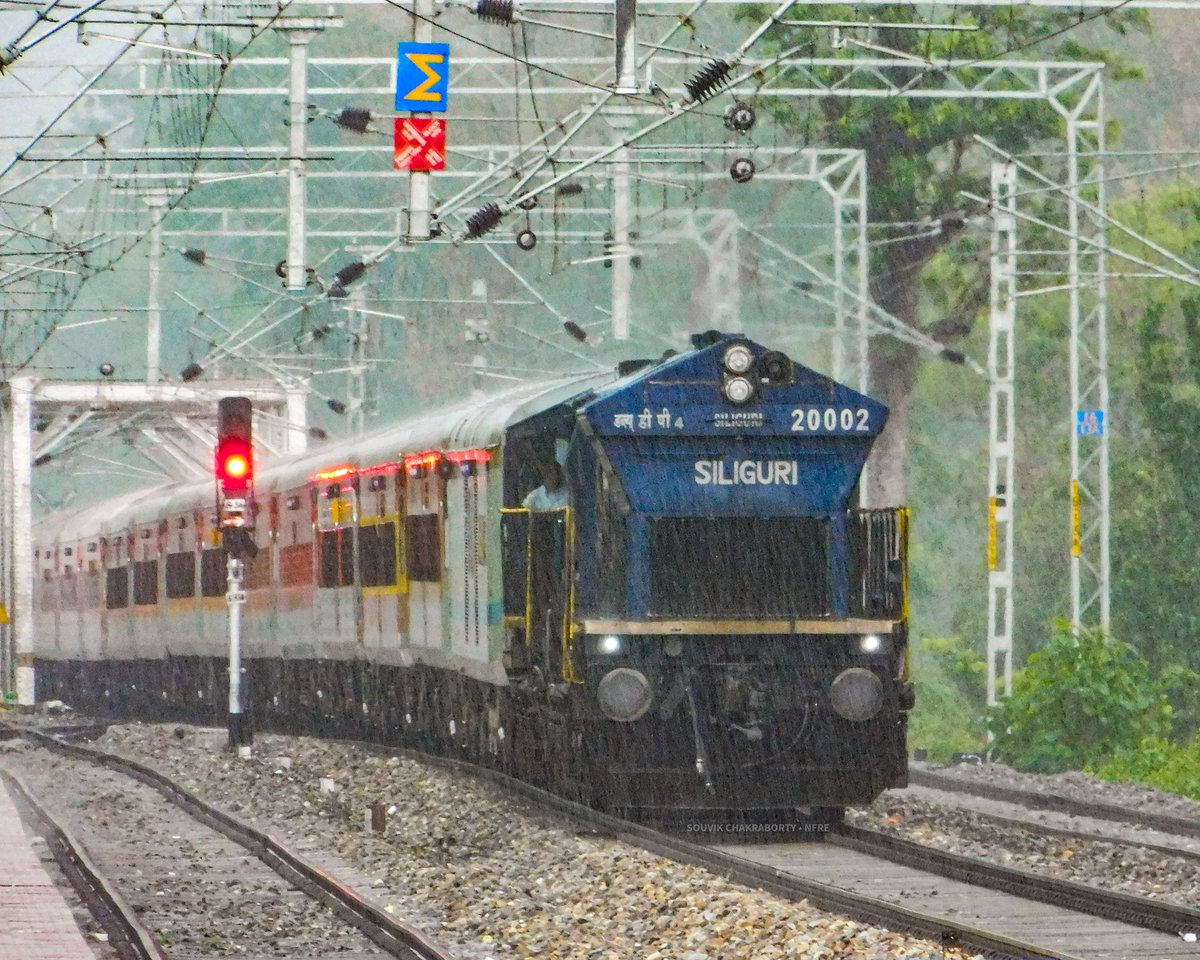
x: 552, y: 494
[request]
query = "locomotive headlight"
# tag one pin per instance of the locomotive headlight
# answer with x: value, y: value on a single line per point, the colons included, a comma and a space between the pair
x: 624, y: 694
x: 609, y: 644
x: 738, y: 390
x: 856, y: 694
x: 871, y: 643
x: 738, y: 358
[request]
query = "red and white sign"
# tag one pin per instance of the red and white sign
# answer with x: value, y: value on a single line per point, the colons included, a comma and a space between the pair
x: 420, y: 144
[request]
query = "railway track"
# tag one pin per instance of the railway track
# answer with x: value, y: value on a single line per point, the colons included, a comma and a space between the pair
x: 883, y: 880
x: 206, y: 850
x: 1187, y: 848
x: 1166, y: 823
x: 120, y: 922
x: 899, y: 884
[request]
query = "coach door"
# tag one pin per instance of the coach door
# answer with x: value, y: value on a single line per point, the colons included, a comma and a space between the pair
x: 338, y: 611
x: 466, y: 561
x: 423, y: 550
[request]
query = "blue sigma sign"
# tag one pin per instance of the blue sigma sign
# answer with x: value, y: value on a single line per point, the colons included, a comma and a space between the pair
x: 1089, y: 423
x: 423, y: 77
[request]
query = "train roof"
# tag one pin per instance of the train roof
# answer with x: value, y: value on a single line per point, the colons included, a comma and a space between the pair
x: 477, y: 423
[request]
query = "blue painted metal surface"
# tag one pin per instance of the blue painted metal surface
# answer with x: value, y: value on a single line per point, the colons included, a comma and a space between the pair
x: 666, y: 443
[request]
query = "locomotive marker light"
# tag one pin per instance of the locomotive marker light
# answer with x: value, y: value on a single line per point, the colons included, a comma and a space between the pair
x: 738, y: 359
x: 738, y: 390
x: 871, y: 643
x: 234, y: 473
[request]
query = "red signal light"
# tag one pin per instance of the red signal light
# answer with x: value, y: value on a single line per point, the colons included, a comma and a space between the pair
x: 234, y: 462
x: 234, y: 465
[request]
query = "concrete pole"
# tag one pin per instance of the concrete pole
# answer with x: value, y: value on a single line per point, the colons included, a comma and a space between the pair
x: 240, y: 735
x: 1001, y: 429
x: 420, y: 182
x: 7, y: 654
x: 625, y: 46
x: 20, y: 399
x: 838, y: 346
x: 479, y: 333
x: 298, y: 40
x: 622, y: 217
x: 157, y: 202
x: 297, y: 420
x: 356, y: 370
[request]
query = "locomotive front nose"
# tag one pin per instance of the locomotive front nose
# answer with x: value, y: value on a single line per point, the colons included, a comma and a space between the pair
x: 856, y: 694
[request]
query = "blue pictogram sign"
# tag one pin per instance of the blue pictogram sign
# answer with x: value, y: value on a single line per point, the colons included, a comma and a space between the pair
x: 423, y: 77
x: 1089, y: 423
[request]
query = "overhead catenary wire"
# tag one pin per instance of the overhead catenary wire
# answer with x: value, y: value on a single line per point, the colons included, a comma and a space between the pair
x: 1093, y: 209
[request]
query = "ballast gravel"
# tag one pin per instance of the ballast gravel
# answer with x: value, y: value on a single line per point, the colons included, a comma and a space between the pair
x: 501, y: 878
x: 1075, y: 785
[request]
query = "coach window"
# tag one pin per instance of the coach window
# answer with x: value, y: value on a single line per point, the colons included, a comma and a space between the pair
x: 422, y: 547
x: 377, y: 554
x: 116, y: 588
x: 181, y: 575
x: 212, y: 573
x: 337, y: 557
x: 145, y: 582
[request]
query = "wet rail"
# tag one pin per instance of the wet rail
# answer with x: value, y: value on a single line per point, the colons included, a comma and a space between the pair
x: 1136, y: 911
x: 120, y: 922
x: 390, y: 935
x: 1167, y: 823
x: 873, y: 878
x: 986, y: 908
x: 1095, y: 834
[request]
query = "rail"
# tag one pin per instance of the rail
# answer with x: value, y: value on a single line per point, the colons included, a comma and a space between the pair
x: 396, y: 937
x: 126, y: 935
x: 1053, y: 801
x: 1138, y: 911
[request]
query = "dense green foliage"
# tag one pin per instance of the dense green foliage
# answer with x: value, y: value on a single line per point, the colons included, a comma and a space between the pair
x: 1159, y: 763
x: 1078, y: 702
x: 949, y: 677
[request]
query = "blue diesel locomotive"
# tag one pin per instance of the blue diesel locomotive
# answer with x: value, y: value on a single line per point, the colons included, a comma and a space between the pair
x: 649, y: 593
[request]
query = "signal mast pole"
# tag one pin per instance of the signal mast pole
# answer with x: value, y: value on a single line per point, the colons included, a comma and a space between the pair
x: 235, y: 513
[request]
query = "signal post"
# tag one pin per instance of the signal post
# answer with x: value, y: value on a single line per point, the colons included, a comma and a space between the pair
x: 234, y: 472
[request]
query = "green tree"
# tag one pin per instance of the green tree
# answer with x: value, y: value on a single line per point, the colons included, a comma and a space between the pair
x: 1078, y: 702
x: 920, y: 156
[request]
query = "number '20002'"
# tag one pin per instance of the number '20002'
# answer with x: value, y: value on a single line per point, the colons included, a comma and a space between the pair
x: 812, y: 419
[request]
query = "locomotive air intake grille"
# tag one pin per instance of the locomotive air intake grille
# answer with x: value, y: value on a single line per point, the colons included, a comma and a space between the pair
x: 739, y: 566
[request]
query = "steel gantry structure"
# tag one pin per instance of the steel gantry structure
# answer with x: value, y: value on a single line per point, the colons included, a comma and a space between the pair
x: 1071, y: 88
x: 176, y: 419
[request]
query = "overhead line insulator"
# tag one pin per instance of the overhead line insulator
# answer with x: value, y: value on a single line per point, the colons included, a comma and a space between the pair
x: 351, y: 272
x: 496, y: 11
x: 709, y: 80
x: 483, y: 220
x: 354, y: 118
